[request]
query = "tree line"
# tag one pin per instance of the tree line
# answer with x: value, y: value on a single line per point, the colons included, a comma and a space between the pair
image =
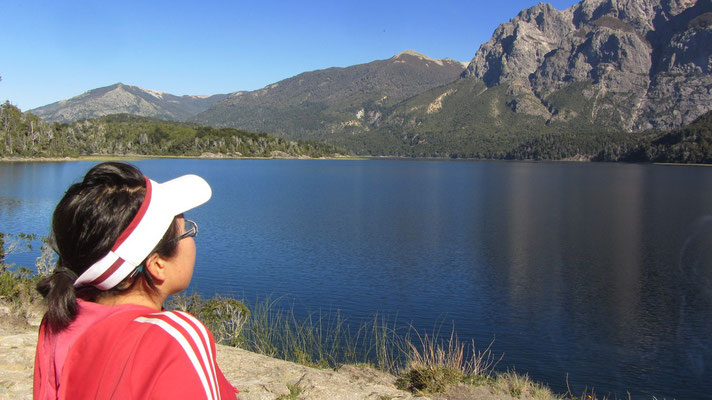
x: 26, y: 135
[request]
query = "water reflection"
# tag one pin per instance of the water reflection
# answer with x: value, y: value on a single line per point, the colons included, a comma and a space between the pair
x: 693, y: 329
x: 586, y: 259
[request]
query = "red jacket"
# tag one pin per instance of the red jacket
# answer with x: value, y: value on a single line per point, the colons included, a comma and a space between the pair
x: 129, y: 352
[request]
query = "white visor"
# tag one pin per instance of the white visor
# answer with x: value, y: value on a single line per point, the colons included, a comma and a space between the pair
x: 162, y: 202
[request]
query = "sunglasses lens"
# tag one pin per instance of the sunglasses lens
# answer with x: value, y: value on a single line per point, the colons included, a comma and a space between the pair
x: 191, y: 228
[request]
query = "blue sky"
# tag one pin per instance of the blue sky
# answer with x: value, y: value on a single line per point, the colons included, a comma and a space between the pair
x: 54, y: 50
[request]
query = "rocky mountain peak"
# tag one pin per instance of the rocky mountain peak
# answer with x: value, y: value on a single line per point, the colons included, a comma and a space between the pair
x: 412, y: 53
x: 646, y: 58
x: 122, y: 98
x: 519, y: 46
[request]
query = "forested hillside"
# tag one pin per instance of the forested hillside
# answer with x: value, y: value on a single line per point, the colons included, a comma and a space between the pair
x: 26, y: 135
x: 689, y: 144
x: 328, y: 104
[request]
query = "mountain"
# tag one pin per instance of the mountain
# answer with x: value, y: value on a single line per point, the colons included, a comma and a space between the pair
x: 548, y: 84
x: 326, y: 103
x: 643, y: 64
x: 573, y: 78
x: 120, y: 98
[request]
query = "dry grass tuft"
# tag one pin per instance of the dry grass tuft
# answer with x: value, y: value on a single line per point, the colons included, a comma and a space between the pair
x: 517, y: 385
x: 434, y: 364
x: 429, y: 351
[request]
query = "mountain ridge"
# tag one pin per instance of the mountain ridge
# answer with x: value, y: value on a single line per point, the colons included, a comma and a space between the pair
x: 597, y: 68
x: 318, y: 103
x: 121, y: 98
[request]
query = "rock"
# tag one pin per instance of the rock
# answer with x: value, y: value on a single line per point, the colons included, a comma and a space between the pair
x: 17, y: 353
x: 649, y: 61
x: 262, y: 377
x: 681, y: 90
x: 518, y: 47
x: 368, y: 374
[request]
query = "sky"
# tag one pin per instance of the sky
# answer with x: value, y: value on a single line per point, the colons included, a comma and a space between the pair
x: 55, y: 50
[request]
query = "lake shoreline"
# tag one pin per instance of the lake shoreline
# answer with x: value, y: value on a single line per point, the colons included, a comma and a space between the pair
x: 211, y: 156
x: 137, y: 157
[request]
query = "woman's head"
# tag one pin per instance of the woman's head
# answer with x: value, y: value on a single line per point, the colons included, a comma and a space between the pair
x: 104, y: 229
x: 94, y: 212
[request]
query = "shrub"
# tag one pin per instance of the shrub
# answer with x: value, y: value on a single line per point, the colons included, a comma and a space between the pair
x: 224, y: 316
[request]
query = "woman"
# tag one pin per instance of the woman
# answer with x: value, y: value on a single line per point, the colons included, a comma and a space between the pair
x: 124, y: 247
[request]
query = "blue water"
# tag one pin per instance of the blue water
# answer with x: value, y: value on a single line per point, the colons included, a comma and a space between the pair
x: 602, y: 272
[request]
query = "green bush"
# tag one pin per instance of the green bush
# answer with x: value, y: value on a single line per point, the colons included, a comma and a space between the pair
x: 224, y: 316
x: 17, y: 287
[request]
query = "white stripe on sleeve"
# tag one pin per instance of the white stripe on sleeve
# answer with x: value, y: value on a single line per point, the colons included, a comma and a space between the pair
x: 204, y: 332
x: 186, y: 347
x: 205, y: 353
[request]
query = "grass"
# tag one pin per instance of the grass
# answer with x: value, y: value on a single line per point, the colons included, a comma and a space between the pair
x: 518, y: 385
x: 294, y: 392
x: 433, y: 364
x: 17, y: 292
x: 320, y: 339
x: 422, y: 363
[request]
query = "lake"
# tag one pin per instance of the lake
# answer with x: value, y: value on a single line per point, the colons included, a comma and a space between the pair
x: 602, y: 272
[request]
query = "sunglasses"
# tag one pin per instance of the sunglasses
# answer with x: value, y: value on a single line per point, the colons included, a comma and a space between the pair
x: 191, y: 230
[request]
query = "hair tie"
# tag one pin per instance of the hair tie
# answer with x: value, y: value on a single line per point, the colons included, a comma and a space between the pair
x: 68, y: 272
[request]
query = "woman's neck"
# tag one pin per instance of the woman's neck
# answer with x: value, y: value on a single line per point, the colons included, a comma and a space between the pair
x: 136, y: 295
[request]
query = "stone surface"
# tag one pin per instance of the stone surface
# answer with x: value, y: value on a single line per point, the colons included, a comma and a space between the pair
x: 261, y: 377
x: 16, y: 364
x: 649, y: 61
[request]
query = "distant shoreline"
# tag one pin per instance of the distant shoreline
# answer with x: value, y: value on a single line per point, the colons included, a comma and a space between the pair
x: 137, y: 157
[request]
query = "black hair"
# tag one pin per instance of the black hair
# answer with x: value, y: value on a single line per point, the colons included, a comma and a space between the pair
x: 85, y: 225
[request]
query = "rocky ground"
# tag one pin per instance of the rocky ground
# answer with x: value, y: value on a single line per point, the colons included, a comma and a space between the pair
x: 256, y: 376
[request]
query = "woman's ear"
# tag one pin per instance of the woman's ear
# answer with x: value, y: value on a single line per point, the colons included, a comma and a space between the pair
x: 156, y: 266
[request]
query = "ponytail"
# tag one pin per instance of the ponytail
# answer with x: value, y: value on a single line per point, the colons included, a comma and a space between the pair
x: 58, y: 291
